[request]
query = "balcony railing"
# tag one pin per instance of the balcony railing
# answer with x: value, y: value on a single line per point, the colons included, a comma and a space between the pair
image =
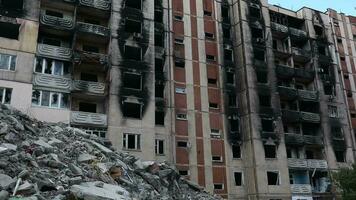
x: 88, y: 119
x: 93, y: 29
x: 287, y: 92
x: 91, y: 57
x: 301, y: 188
x: 290, y: 116
x: 310, y: 117
x: 307, y: 164
x: 98, y: 4
x: 305, y: 74
x: 62, y: 23
x: 298, y: 139
x: 88, y: 87
x: 313, y: 140
x: 284, y: 71
x: 279, y: 27
x: 49, y: 81
x: 297, y: 32
x: 308, y: 95
x: 301, y: 52
x: 55, y: 52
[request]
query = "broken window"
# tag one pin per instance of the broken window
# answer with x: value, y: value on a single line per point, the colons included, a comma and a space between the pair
x: 134, y: 53
x: 159, y: 90
x: 319, y: 31
x: 179, y: 62
x: 232, y: 100
x: 158, y: 16
x: 215, y: 133
x: 228, y: 54
x: 262, y: 77
x: 5, y: 95
x: 132, y: 110
x: 236, y: 151
x: 226, y: 32
x: 50, y: 66
x: 159, y: 147
x: 89, y: 48
x: 181, y: 116
x: 88, y: 77
x: 183, y: 144
x: 230, y: 78
x: 210, y: 58
x: 159, y: 118
x: 209, y: 36
x: 212, y: 81
x: 9, y: 30
x: 133, y: 26
x: 238, y: 178
x: 54, y: 13
x: 132, y: 81
x: 216, y: 159
x: 51, y: 41
x: 180, y: 90
x: 332, y: 110
x: 213, y: 105
x: 159, y: 40
x: 137, y: 4
x: 234, y: 124
x: 257, y: 33
x: 131, y: 141
x: 265, y: 100
x: 255, y: 12
x: 12, y: 4
x: 87, y: 107
x: 7, y: 62
x: 273, y: 178
x: 259, y: 54
x: 50, y: 99
x: 270, y: 151
x: 340, y: 156
x: 218, y: 186
x: 267, y: 125
x: 225, y: 13
x: 183, y: 172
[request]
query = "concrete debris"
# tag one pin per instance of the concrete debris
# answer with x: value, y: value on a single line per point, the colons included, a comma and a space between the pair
x: 41, y: 161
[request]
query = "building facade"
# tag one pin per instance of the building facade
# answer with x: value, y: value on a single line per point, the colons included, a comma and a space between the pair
x: 248, y: 99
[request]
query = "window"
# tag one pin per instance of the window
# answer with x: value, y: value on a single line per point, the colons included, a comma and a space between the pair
x: 216, y: 158
x: 212, y: 81
x: 49, y: 99
x: 54, y: 13
x: 133, y: 26
x: 132, y: 81
x: 5, y: 95
x: 131, y: 141
x: 88, y: 77
x: 230, y: 78
x: 179, y: 40
x: 209, y: 36
x: 134, y: 4
x: 181, y: 116
x: 232, y: 100
x: 207, y: 13
x: 159, y: 118
x: 49, y: 66
x: 238, y: 178
x: 273, y: 178
x: 215, y: 133
x: 12, y: 30
x: 210, y: 58
x: 228, y: 54
x: 100, y: 132
x: 87, y: 107
x: 337, y: 133
x: 134, y: 53
x: 178, y: 17
x: 12, y: 4
x: 180, y: 90
x: 179, y: 62
x: 51, y: 41
x: 213, y: 105
x: 333, y: 111
x: 159, y: 147
x: 218, y: 186
x: 236, y: 151
x: 89, y: 48
x: 270, y: 151
x: 183, y: 172
x: 132, y: 110
x: 183, y: 144
x: 7, y: 62
x: 340, y: 156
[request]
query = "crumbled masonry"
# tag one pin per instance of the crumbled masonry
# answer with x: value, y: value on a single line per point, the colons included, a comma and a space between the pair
x: 41, y: 161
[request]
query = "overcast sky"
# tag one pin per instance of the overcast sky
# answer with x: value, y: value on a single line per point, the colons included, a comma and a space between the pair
x: 346, y: 6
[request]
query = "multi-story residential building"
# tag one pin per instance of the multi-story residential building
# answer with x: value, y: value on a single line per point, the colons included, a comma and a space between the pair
x: 245, y: 98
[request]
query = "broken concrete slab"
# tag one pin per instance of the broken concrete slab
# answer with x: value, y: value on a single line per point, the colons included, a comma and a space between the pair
x: 99, y: 190
x: 85, y: 157
x: 6, y: 181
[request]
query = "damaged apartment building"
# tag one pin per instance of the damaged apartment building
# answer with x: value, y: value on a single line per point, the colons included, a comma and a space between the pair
x: 248, y: 99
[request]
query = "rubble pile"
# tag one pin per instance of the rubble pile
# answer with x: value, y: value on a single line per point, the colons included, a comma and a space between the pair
x: 40, y: 161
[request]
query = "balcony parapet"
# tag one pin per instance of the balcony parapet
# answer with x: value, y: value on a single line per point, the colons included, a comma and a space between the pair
x: 57, y: 83
x: 301, y: 188
x: 88, y: 119
x: 297, y: 32
x: 279, y: 27
x: 308, y: 95
x: 300, y: 140
x: 90, y: 57
x: 93, y: 29
x: 310, y: 117
x: 57, y: 22
x: 54, y: 52
x: 307, y: 164
x: 88, y: 87
x: 98, y: 4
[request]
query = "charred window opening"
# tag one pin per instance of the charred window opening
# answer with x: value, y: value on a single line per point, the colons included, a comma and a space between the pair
x: 159, y: 40
x: 228, y: 54
x: 87, y: 107
x: 232, y: 100
x: 209, y: 36
x: 270, y: 151
x: 132, y: 110
x: 137, y: 4
x: 159, y: 65
x: 92, y: 21
x: 309, y: 106
x: 212, y: 81
x: 158, y: 16
x: 295, y: 23
x: 132, y: 26
x: 51, y: 41
x: 183, y: 172
x: 12, y: 4
x: 279, y: 18
x: 88, y: 77
x: 230, y: 78
x: 236, y: 151
x: 257, y: 33
x: 329, y: 90
x: 238, y: 178
x: 226, y: 32
x: 132, y: 81
x: 337, y: 133
x: 90, y: 48
x: 159, y: 118
x: 134, y: 53
x: 54, y: 13
x: 234, y: 124
x: 309, y: 154
x: 265, y: 100
x: 255, y: 12
x: 322, y: 50
x: 273, y: 178
x: 319, y: 31
x: 340, y: 156
x: 9, y: 30
x: 262, y: 77
x: 213, y: 105
x: 225, y: 13
x: 179, y: 62
x: 159, y: 90
x: 310, y: 129
x: 183, y: 144
x: 259, y: 54
x: 267, y: 125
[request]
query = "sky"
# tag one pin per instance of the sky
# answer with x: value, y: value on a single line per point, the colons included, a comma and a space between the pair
x: 346, y: 6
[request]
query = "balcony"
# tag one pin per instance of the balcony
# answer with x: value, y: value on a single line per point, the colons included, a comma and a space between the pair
x: 98, y: 4
x: 93, y: 29
x: 306, y: 95
x: 290, y: 116
x: 88, y: 119
x: 300, y: 140
x: 91, y: 57
x: 281, y: 53
x: 297, y: 33
x: 58, y: 83
x: 266, y: 111
x: 307, y: 164
x: 301, y: 55
x: 305, y: 75
x: 284, y: 71
x: 310, y: 117
x: 57, y: 22
x: 313, y: 140
x: 301, y: 188
x: 324, y: 58
x: 55, y: 52
x: 260, y: 65
x: 279, y: 28
x: 287, y: 93
x: 94, y: 88
x: 159, y: 52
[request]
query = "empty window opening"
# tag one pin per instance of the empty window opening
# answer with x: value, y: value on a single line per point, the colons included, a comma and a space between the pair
x: 309, y: 154
x: 159, y: 90
x: 51, y: 41
x: 213, y: 105
x: 159, y: 65
x: 158, y: 16
x: 90, y: 48
x: 257, y: 33
x: 7, y: 62
x: 262, y: 77
x: 225, y: 13
x: 337, y: 133
x: 228, y: 54
x: 183, y: 144
x: 333, y: 112
x: 92, y: 21
x: 178, y: 62
x: 238, y: 178
x: 88, y: 77
x: 54, y: 13
x: 226, y: 32
x: 259, y: 54
x: 87, y: 107
x: 232, y: 100
x: 236, y: 151
x: 132, y: 110
x: 159, y: 40
x: 132, y: 26
x: 267, y: 125
x: 132, y: 81
x: 270, y: 151
x: 183, y: 172
x: 5, y: 95
x: 353, y: 115
x: 178, y: 17
x: 217, y: 158
x: 209, y: 36
x: 255, y: 12
x: 329, y: 89
x: 159, y: 147
x: 131, y: 141
x: 212, y: 81
x: 215, y: 133
x: 340, y: 156
x: 137, y: 4
x: 265, y: 100
x: 322, y: 50
x: 234, y: 125
x: 9, y: 30
x: 319, y: 31
x: 210, y: 58
x: 218, y: 186
x: 159, y: 118
x: 134, y: 53
x: 179, y: 40
x: 207, y: 13
x: 273, y: 178
x: 181, y: 116
x: 12, y: 4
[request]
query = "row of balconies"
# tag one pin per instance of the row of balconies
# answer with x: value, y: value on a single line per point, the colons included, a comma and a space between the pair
x: 98, y: 4
x: 305, y: 164
x: 285, y: 30
x: 283, y: 71
x: 68, y: 85
x: 300, y: 140
x: 292, y: 94
x: 293, y: 116
x: 88, y: 119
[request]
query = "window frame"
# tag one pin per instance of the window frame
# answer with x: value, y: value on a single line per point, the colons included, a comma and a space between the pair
x: 242, y: 178
x: 45, y: 64
x: 5, y: 90
x: 51, y: 94
x: 157, y: 147
x: 11, y: 58
x: 125, y: 142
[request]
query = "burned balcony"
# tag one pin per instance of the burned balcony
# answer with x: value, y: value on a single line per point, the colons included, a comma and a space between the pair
x: 304, y: 75
x: 294, y: 32
x: 225, y: 13
x: 55, y: 52
x: 279, y: 30
x: 58, y: 83
x: 88, y: 119
x: 310, y: 117
x: 97, y: 4
x: 56, y: 20
x: 300, y: 140
x: 88, y: 87
x: 306, y: 95
x: 301, y: 55
x: 290, y: 116
x: 284, y: 72
x: 301, y: 188
x: 313, y: 140
x: 90, y: 57
x: 287, y: 93
x: 11, y: 8
x: 307, y: 164
x: 93, y: 29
